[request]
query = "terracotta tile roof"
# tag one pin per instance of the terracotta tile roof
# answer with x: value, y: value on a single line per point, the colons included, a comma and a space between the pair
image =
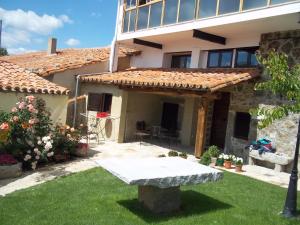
x: 15, y: 78
x: 43, y: 64
x: 191, y: 79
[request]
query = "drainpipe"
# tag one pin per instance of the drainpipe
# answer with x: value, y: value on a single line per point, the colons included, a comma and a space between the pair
x: 114, y: 42
x: 76, y: 94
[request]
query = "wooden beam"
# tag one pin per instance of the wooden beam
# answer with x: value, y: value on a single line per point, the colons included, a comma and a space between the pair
x: 209, y: 37
x: 147, y: 43
x: 201, y: 127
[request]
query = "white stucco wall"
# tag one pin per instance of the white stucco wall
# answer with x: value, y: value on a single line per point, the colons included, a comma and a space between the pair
x: 118, y: 112
x: 155, y: 58
x: 56, y: 104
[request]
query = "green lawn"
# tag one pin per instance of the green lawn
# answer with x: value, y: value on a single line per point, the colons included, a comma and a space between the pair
x: 96, y: 197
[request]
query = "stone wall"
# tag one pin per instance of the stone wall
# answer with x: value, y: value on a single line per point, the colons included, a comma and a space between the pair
x: 243, y: 98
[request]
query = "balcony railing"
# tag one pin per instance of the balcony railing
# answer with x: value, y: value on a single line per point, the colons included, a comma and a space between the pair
x: 144, y: 14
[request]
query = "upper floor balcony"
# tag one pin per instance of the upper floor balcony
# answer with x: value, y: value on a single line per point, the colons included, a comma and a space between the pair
x: 140, y: 18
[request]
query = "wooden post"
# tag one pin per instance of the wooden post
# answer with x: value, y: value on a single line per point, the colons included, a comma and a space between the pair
x: 201, y: 127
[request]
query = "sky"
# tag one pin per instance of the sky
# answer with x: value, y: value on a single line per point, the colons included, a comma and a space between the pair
x: 27, y: 24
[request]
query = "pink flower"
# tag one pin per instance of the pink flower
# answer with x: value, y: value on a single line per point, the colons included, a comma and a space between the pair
x: 15, y: 119
x: 31, y: 108
x: 31, y: 121
x: 4, y: 126
x: 22, y: 105
x: 30, y: 98
x: 14, y: 109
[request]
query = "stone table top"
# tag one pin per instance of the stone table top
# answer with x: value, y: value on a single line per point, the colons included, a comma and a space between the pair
x: 160, y: 172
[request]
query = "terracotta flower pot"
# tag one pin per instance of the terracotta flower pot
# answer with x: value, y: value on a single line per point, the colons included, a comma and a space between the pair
x: 82, y: 150
x: 227, y: 164
x: 239, y: 168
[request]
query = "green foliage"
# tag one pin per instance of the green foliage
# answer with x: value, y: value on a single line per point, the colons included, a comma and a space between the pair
x: 214, y: 151
x: 4, y: 116
x: 183, y: 155
x: 3, y: 52
x: 162, y: 156
x: 205, y: 159
x: 283, y: 81
x: 173, y: 154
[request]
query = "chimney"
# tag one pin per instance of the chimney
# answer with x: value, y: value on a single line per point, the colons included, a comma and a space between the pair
x: 52, y: 43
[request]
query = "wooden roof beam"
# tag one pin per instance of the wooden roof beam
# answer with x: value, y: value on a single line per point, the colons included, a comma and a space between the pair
x: 209, y: 37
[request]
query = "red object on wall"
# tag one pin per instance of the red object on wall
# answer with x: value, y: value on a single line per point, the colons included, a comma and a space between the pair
x: 102, y: 114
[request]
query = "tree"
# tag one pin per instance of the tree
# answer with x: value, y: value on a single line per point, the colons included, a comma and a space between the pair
x: 284, y: 81
x: 3, y: 52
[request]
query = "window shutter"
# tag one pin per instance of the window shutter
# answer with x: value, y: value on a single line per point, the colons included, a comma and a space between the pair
x: 95, y: 102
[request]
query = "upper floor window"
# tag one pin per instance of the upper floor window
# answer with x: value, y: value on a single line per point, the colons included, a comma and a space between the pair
x: 181, y: 61
x: 220, y: 59
x: 246, y: 57
x: 154, y: 13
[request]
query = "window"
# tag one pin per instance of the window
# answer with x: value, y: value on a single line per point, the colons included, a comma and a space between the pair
x: 171, y: 7
x: 207, y: 8
x: 187, y: 10
x: 143, y: 17
x: 242, y: 125
x: 129, y: 21
x: 155, y: 15
x: 246, y: 57
x: 130, y: 3
x: 279, y: 1
x: 251, y: 4
x: 229, y: 6
x: 99, y: 102
x: 181, y: 61
x: 220, y: 58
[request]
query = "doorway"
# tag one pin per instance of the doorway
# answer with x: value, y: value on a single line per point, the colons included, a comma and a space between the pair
x: 220, y: 119
x: 169, y: 119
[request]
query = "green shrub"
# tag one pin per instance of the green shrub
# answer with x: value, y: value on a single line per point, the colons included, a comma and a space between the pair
x: 162, y: 156
x: 173, y: 154
x: 205, y: 159
x: 183, y: 155
x: 214, y: 151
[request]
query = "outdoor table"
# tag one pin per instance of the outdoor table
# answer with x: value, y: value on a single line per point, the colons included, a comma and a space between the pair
x: 159, y: 179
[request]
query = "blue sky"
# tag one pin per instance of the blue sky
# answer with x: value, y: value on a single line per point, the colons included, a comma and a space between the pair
x: 27, y: 24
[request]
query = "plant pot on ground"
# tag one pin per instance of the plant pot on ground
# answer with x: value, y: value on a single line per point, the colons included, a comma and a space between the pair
x: 9, y: 167
x: 183, y: 155
x: 239, y: 165
x: 214, y: 153
x: 82, y: 150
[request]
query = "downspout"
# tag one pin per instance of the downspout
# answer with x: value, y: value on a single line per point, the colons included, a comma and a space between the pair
x: 76, y: 95
x: 114, y: 41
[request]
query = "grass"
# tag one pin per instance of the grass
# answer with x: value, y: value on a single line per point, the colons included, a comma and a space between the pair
x: 96, y: 197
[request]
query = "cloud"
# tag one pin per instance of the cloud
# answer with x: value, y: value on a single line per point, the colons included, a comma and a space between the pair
x: 72, y: 42
x: 16, y: 51
x: 96, y: 14
x: 20, y: 26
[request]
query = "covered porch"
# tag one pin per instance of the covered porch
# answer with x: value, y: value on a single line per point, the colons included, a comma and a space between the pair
x: 173, y: 107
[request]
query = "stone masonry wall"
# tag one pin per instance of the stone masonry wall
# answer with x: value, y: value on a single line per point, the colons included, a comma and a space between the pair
x: 243, y: 98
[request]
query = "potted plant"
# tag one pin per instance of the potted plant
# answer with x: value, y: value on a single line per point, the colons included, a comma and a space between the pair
x: 220, y: 160
x: 228, y: 159
x: 183, y: 155
x: 214, y: 152
x: 9, y: 167
x: 238, y: 164
x: 173, y: 154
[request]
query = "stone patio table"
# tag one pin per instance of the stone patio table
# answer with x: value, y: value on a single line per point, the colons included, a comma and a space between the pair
x: 159, y: 179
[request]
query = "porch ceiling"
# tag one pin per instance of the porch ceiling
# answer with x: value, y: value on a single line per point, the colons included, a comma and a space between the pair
x: 208, y: 80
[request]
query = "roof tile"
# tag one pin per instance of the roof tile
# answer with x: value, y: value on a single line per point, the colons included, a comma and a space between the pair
x: 192, y: 79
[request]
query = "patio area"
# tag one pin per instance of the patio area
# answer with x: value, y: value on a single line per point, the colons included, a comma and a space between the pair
x: 133, y: 150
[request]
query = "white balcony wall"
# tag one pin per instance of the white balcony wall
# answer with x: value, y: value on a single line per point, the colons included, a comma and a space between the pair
x: 155, y: 58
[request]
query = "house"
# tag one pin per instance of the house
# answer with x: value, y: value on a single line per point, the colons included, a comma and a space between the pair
x: 197, y: 70
x: 62, y: 66
x: 17, y: 82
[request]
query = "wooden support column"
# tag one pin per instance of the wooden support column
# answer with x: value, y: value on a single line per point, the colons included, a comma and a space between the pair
x: 201, y: 127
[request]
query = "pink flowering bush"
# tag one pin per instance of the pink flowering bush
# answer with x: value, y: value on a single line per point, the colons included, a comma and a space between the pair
x: 29, y: 137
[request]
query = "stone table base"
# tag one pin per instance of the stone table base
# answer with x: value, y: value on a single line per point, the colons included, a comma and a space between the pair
x: 160, y: 200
